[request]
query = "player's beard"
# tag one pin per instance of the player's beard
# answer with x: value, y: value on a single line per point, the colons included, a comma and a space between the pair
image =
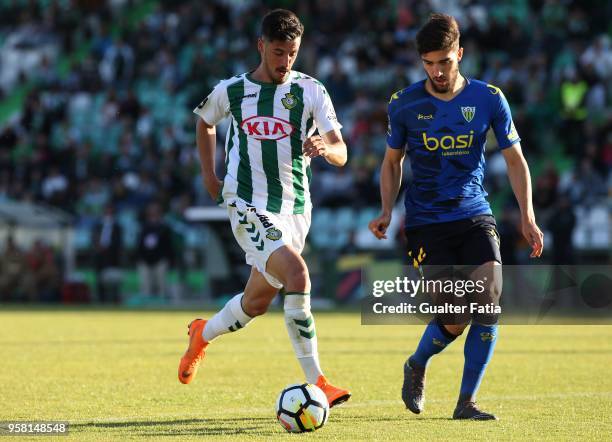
x: 448, y: 86
x: 438, y: 88
x: 276, y: 76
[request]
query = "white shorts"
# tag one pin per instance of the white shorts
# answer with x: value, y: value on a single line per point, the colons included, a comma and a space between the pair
x: 260, y: 233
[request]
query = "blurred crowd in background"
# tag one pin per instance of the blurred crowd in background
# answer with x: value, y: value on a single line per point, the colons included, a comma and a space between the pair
x: 104, y: 128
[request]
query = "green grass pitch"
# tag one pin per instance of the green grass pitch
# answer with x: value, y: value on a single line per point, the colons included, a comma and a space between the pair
x: 113, y: 376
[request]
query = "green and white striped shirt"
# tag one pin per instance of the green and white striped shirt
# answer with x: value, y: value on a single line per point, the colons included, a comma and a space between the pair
x: 263, y: 150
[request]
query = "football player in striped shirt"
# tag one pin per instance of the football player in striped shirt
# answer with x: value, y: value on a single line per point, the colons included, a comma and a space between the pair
x: 442, y: 123
x: 275, y: 112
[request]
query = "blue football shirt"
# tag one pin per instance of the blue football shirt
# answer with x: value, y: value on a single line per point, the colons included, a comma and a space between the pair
x: 445, y: 141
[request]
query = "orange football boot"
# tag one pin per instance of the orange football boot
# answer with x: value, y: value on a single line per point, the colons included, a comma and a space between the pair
x: 335, y: 395
x: 188, y: 366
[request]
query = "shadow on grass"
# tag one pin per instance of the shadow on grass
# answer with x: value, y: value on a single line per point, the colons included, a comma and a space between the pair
x: 187, y: 427
x: 247, y: 426
x: 398, y: 418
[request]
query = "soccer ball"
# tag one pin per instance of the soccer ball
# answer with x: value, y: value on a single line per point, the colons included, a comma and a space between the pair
x: 301, y: 408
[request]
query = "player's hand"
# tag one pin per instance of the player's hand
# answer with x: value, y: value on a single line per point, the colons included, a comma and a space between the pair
x: 378, y: 226
x: 534, y: 237
x: 314, y: 146
x: 213, y: 186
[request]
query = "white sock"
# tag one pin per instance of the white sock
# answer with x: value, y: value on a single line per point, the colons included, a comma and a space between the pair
x: 301, y: 328
x: 230, y: 318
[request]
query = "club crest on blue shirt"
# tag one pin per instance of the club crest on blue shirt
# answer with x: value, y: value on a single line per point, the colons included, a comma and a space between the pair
x: 468, y: 112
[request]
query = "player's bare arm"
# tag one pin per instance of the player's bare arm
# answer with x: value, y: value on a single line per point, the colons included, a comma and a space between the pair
x: 206, y: 138
x: 390, y: 182
x: 520, y: 180
x: 330, y: 146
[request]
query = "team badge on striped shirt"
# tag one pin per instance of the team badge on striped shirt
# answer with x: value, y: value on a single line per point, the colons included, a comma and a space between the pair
x: 289, y: 101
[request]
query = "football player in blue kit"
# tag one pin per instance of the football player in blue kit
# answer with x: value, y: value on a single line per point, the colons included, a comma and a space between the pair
x: 442, y: 123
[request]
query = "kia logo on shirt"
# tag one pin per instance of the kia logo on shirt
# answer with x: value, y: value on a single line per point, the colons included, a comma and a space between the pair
x: 267, y: 128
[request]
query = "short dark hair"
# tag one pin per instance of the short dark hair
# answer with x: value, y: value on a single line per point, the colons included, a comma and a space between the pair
x: 440, y: 33
x: 281, y: 25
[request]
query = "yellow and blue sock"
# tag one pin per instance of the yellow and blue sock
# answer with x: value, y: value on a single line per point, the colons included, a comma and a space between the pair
x: 434, y: 340
x: 478, y: 350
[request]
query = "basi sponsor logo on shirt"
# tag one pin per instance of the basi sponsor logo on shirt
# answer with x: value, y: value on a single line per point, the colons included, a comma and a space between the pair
x: 448, y: 142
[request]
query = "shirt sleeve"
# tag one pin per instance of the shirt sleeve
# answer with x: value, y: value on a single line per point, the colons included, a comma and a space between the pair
x: 502, y: 123
x: 396, y: 129
x: 215, y: 107
x: 323, y: 113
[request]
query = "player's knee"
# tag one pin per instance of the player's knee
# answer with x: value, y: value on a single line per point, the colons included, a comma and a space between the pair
x: 256, y: 307
x: 288, y: 267
x: 297, y: 279
x: 455, y: 329
x: 495, y: 289
x: 488, y: 300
